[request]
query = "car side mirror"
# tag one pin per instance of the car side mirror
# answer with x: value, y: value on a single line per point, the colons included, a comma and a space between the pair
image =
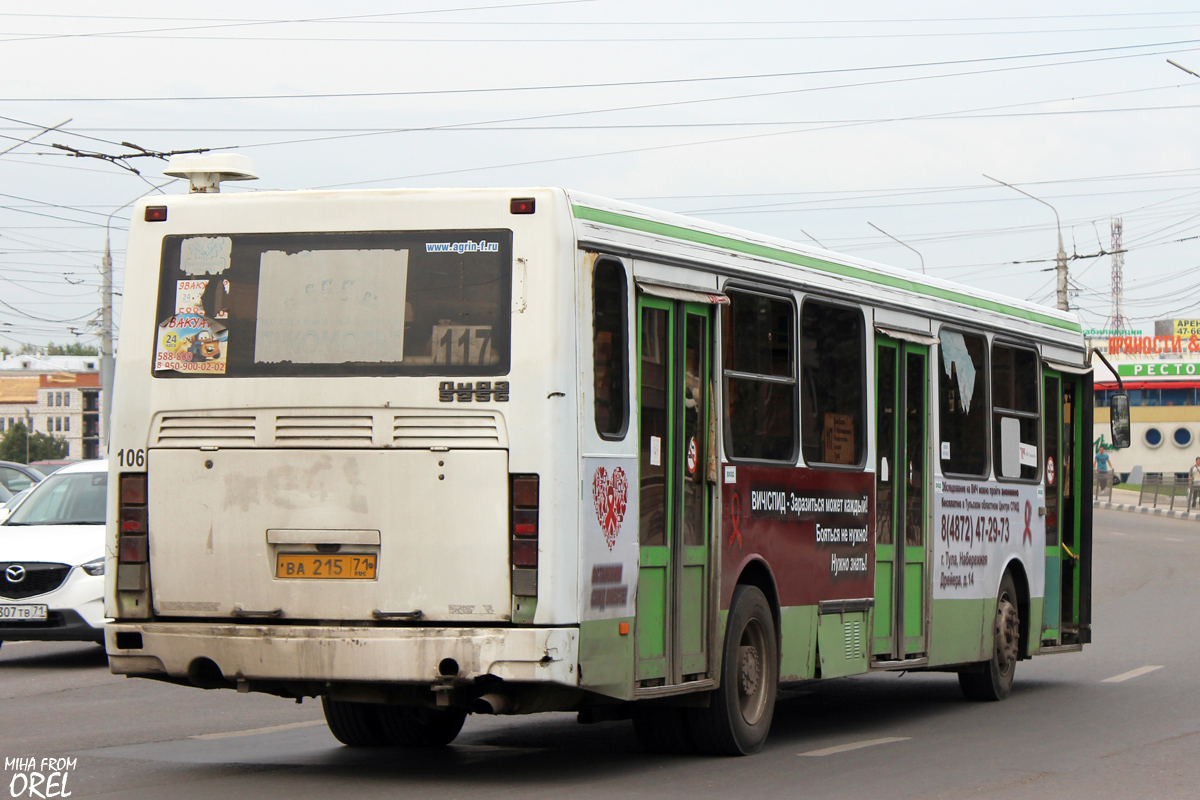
x: 1119, y: 419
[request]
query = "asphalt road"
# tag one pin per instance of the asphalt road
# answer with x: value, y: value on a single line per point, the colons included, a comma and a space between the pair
x: 1067, y: 731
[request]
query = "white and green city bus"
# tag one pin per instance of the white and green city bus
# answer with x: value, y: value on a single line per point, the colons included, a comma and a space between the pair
x: 426, y: 453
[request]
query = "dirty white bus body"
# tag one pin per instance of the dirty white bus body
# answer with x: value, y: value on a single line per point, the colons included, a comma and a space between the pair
x: 428, y: 452
x: 325, y: 437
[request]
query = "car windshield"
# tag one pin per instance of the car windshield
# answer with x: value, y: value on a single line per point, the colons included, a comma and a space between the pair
x: 75, y: 499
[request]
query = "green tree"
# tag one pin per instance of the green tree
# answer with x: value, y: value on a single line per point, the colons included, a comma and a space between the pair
x: 72, y: 349
x: 41, y: 446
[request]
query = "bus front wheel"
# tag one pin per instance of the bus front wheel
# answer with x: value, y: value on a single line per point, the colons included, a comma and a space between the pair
x: 421, y: 727
x: 739, y: 712
x: 993, y: 679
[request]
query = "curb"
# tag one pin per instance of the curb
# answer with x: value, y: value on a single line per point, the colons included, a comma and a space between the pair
x: 1157, y: 512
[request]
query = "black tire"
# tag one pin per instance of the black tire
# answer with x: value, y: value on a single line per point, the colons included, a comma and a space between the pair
x: 354, y: 724
x: 739, y: 713
x: 992, y: 680
x: 412, y: 726
x: 663, y: 729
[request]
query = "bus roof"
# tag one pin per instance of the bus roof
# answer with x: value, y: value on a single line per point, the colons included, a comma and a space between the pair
x: 638, y: 230
x: 598, y: 219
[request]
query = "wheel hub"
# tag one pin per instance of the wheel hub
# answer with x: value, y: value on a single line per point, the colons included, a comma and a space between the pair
x: 751, y: 671
x: 1007, y: 634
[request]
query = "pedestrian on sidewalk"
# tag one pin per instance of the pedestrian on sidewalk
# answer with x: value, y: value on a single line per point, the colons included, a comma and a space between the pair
x: 1194, y: 484
x: 1103, y: 466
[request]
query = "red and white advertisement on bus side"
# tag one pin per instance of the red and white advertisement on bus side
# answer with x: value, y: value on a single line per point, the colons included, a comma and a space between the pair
x: 610, y: 538
x: 978, y: 527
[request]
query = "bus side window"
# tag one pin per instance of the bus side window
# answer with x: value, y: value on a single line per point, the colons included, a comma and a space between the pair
x: 832, y: 365
x: 962, y: 404
x: 610, y: 352
x: 760, y: 377
x: 1015, y: 416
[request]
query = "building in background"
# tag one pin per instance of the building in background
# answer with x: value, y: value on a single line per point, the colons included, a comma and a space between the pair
x: 1161, y: 374
x: 55, y: 395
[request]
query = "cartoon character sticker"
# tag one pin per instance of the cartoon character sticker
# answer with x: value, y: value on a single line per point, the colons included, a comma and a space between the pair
x: 191, y: 343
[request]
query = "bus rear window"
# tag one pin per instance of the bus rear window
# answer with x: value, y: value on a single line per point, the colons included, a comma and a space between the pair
x: 340, y: 304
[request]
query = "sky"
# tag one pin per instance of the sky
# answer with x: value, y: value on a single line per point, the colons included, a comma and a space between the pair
x: 842, y: 124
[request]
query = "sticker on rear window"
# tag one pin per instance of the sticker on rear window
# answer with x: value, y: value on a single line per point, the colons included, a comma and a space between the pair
x: 191, y: 343
x: 205, y: 255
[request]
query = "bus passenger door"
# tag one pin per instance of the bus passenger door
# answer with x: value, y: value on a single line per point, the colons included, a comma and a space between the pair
x: 1061, y: 614
x: 1054, y: 475
x: 901, y: 480
x: 674, y: 344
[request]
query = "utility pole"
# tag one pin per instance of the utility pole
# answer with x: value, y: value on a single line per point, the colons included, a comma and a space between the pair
x: 1117, y: 321
x: 107, y: 361
x: 1061, y: 259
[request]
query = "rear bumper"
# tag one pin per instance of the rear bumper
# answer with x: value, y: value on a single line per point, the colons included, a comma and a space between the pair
x: 389, y: 655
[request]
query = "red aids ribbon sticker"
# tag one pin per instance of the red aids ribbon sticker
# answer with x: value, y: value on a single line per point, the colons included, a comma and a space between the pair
x: 610, y: 495
x: 1027, y: 536
x: 736, y: 514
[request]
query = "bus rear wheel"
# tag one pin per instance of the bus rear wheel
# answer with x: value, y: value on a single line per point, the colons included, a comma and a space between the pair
x: 354, y: 724
x: 408, y: 726
x: 739, y: 712
x: 993, y: 679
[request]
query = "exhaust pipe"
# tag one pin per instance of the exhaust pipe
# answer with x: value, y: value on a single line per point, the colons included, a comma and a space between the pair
x: 492, y: 703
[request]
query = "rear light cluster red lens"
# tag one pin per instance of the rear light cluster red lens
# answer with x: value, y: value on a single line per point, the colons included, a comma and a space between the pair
x: 524, y: 534
x: 133, y: 545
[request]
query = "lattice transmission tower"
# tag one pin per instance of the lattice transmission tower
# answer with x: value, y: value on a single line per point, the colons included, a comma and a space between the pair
x: 1117, y: 320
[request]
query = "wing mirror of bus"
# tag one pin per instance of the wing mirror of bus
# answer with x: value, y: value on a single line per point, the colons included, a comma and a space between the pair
x: 1119, y: 419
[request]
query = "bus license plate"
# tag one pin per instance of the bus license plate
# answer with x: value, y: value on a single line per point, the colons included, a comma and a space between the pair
x: 342, y: 567
x: 23, y: 613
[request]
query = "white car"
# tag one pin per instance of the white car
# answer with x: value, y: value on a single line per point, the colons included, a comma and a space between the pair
x: 9, y: 507
x: 52, y: 559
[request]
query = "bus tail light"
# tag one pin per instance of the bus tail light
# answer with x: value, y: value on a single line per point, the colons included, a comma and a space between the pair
x: 133, y: 547
x: 524, y: 553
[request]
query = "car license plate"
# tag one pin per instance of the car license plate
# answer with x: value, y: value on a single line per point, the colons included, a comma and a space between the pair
x: 359, y: 566
x: 24, y: 613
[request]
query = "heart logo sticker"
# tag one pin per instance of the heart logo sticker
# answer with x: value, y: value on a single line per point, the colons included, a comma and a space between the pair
x: 610, y: 494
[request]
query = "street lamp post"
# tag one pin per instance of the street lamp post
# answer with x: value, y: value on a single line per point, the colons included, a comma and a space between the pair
x: 1061, y: 259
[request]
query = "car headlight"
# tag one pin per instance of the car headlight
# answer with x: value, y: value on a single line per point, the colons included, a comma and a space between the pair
x: 93, y: 568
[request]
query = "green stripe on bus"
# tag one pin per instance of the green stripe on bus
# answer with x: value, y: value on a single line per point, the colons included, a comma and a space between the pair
x: 845, y: 270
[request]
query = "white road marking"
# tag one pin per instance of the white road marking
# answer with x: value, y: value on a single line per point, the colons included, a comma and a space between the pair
x: 1133, y: 673
x: 256, y: 731
x: 845, y: 748
x: 1169, y: 539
